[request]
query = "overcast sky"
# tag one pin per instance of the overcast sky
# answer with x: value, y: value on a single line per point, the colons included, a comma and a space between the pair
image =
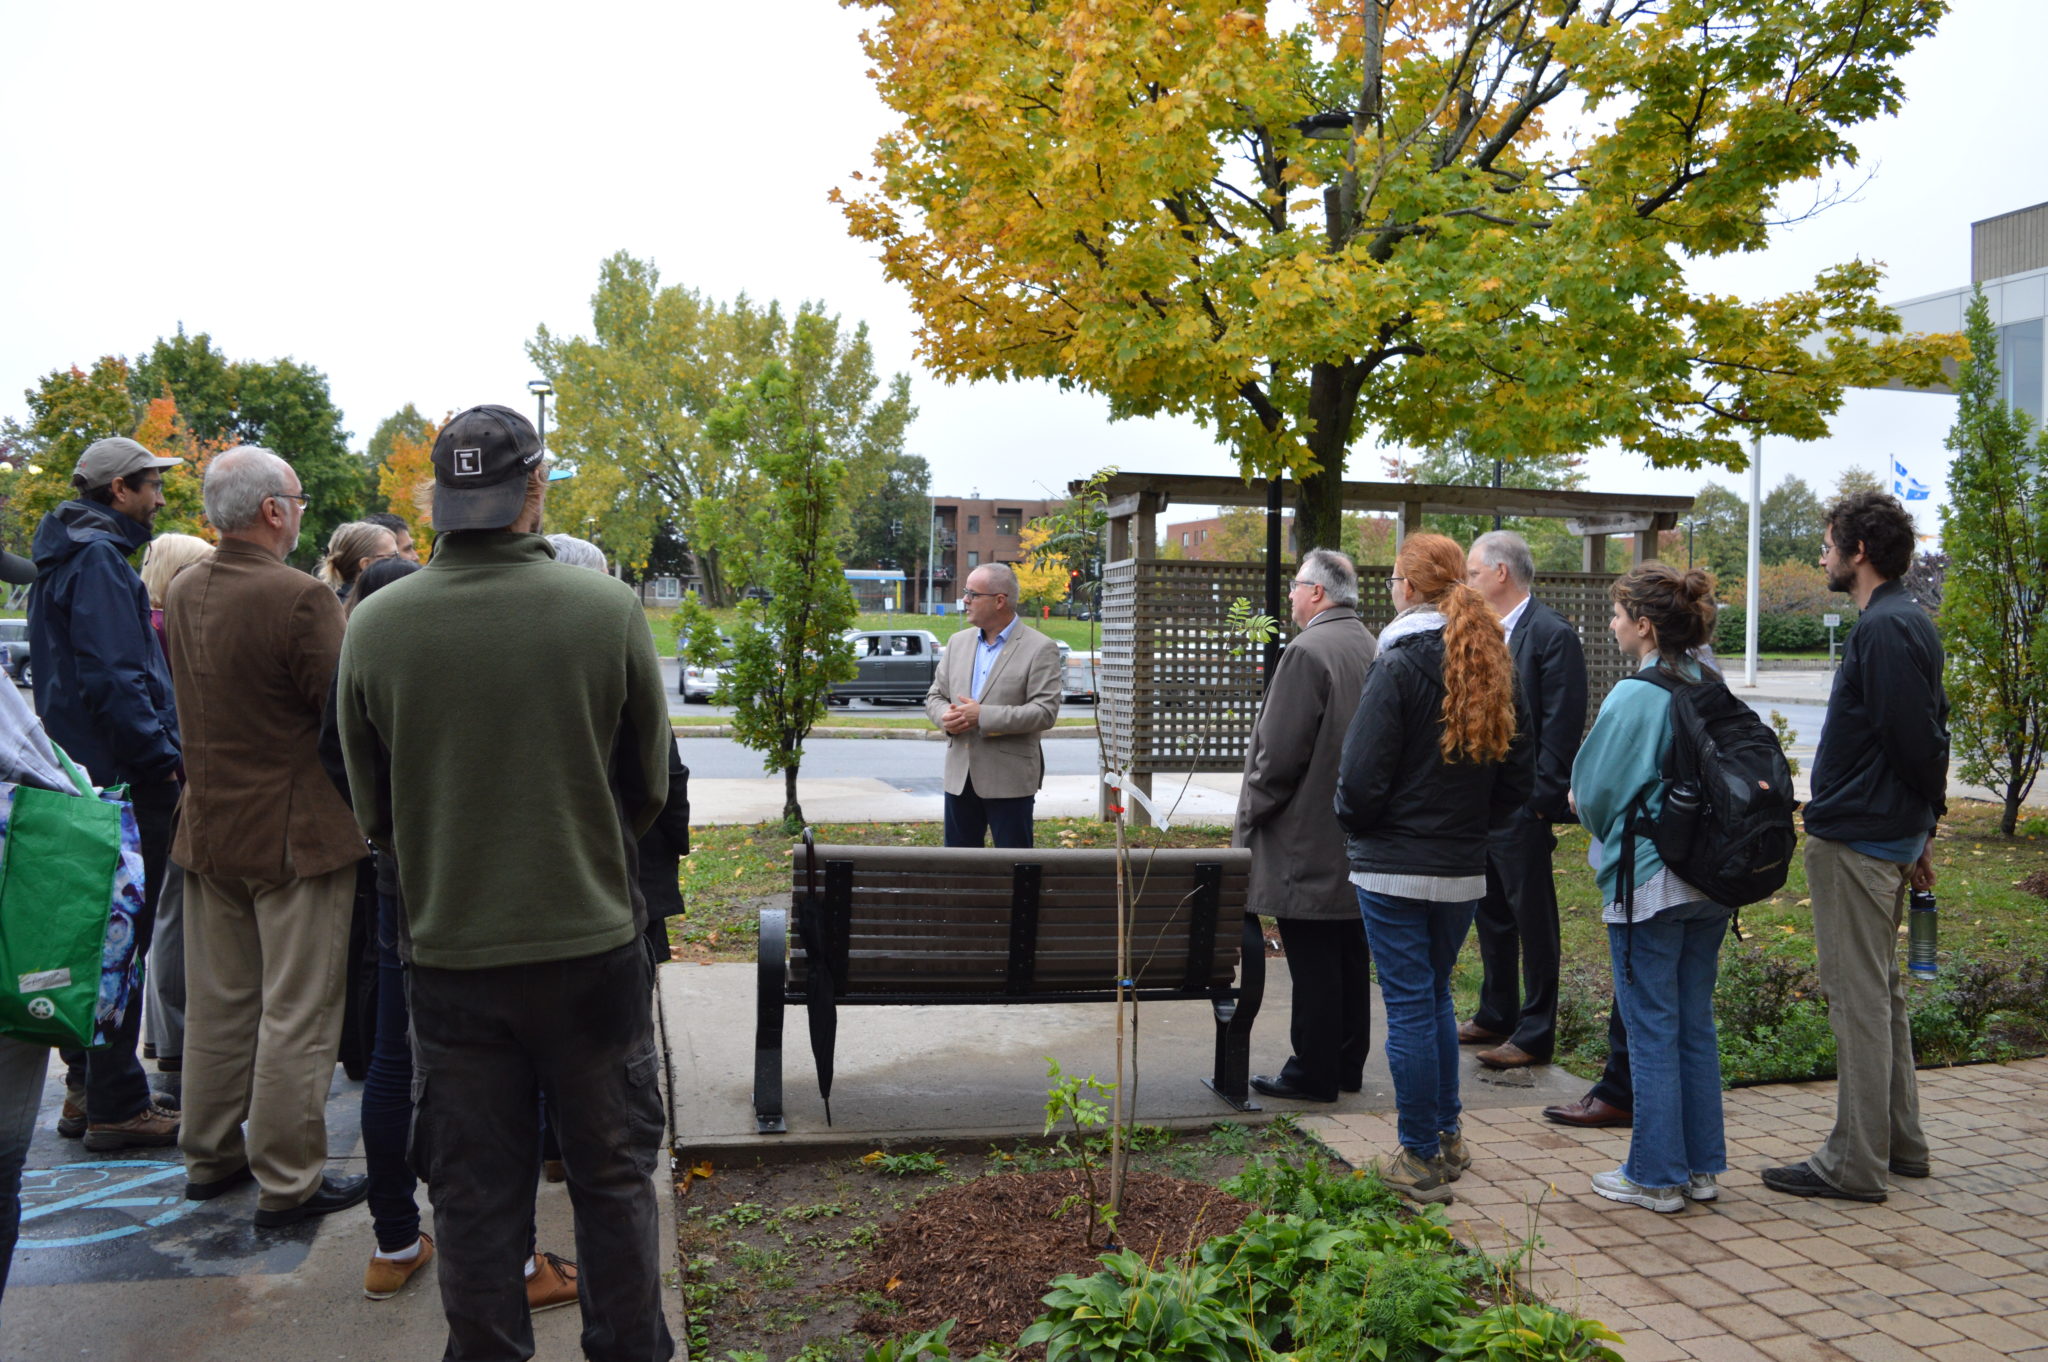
x: 398, y: 194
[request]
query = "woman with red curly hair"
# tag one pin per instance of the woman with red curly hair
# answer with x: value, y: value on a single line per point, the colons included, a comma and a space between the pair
x: 1433, y: 760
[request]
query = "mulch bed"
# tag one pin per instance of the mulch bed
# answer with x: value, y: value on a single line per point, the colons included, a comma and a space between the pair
x: 985, y: 1252
x: 2036, y: 884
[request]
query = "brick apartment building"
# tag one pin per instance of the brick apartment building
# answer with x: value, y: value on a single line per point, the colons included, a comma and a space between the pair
x: 1202, y: 538
x: 972, y: 531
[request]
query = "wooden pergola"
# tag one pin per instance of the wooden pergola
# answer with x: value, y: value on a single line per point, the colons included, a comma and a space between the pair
x: 1176, y: 693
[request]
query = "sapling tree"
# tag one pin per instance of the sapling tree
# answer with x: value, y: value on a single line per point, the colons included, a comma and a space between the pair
x: 788, y: 650
x: 1995, y: 532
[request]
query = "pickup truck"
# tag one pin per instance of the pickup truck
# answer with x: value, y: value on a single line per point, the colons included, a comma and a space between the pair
x: 899, y: 664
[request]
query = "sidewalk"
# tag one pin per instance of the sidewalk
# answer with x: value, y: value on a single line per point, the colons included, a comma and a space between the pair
x: 1953, y: 1268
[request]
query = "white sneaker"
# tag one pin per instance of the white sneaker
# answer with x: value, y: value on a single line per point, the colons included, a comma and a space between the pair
x: 1702, y: 1187
x: 1615, y: 1186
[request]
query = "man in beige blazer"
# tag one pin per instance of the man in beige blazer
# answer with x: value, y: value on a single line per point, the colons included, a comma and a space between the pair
x: 997, y: 689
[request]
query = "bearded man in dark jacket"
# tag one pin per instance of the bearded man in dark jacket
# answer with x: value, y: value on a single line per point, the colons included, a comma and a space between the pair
x: 104, y: 691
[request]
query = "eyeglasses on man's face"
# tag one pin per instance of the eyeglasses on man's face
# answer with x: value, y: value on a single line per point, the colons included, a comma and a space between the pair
x: 300, y: 497
x: 967, y: 596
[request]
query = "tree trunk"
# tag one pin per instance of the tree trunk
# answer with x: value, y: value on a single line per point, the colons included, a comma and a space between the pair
x: 792, y: 811
x: 2009, y: 825
x: 713, y: 573
x: 1319, y: 498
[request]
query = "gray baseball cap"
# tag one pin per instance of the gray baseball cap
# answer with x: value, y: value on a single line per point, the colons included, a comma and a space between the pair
x: 116, y: 457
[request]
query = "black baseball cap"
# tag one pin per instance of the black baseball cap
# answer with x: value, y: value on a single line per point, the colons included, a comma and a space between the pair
x: 482, y: 459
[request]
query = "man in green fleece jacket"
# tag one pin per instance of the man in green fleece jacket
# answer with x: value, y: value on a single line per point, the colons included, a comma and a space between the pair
x: 505, y: 729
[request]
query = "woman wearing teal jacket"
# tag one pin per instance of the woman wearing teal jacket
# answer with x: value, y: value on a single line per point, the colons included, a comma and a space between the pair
x: 1664, y: 935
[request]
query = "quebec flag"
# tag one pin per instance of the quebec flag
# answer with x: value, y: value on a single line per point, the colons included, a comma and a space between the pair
x: 1905, y: 486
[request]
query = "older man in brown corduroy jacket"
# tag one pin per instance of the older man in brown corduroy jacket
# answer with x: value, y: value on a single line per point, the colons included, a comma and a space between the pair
x: 270, y: 849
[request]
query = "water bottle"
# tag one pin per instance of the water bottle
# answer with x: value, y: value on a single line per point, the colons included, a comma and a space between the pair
x: 1680, y: 819
x: 1922, y: 930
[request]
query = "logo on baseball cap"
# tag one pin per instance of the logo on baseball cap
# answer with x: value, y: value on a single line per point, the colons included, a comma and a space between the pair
x: 482, y: 458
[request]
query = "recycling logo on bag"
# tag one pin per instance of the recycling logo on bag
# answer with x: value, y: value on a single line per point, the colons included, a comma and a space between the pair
x: 42, y: 1009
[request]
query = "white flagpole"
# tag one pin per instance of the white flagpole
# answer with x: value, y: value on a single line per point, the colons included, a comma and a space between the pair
x: 1756, y: 500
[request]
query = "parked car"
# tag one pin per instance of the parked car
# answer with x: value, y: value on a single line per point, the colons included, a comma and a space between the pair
x: 891, y: 665
x: 14, y: 651
x: 1078, y: 671
x: 696, y: 684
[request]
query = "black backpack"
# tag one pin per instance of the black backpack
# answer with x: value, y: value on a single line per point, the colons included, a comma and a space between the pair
x: 1726, y: 828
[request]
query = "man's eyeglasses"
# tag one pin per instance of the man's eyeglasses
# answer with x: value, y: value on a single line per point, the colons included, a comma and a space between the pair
x: 300, y: 497
x: 1301, y: 581
x: 967, y: 596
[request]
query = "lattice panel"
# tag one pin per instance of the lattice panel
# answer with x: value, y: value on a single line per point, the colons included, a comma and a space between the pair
x: 1176, y: 696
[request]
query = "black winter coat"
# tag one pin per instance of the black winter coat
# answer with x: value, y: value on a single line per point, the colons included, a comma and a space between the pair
x: 663, y: 845
x: 1404, y: 809
x: 1881, y: 770
x: 101, y: 682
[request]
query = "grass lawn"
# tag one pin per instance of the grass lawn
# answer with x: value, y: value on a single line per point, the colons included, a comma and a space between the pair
x: 1992, y: 1000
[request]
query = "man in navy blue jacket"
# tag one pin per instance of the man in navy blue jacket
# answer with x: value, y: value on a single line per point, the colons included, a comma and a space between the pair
x: 1517, y: 921
x: 1880, y: 780
x: 104, y: 691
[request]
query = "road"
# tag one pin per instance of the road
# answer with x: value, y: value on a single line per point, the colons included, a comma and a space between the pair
x: 917, y: 765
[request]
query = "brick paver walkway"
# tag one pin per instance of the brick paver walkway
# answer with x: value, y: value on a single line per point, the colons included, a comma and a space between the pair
x: 1953, y: 1268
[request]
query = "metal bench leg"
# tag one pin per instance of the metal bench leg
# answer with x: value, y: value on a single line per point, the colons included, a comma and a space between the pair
x: 770, y: 982
x: 1234, y: 1018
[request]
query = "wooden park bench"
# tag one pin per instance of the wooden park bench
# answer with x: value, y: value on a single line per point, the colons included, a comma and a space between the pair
x: 934, y: 925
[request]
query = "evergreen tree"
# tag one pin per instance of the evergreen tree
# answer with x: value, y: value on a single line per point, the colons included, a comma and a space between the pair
x: 1995, y: 530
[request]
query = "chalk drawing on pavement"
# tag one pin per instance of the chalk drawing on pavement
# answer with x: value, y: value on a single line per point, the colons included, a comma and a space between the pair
x: 75, y: 1204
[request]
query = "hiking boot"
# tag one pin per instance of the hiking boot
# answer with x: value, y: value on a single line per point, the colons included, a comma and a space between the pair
x: 1452, y: 1153
x: 71, y: 1120
x: 554, y: 1170
x: 552, y: 1285
x: 153, y: 1125
x: 1616, y: 1186
x: 383, y: 1278
x: 1702, y: 1187
x: 1416, y: 1178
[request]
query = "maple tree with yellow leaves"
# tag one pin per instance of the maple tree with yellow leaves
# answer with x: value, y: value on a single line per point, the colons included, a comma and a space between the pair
x: 1424, y: 217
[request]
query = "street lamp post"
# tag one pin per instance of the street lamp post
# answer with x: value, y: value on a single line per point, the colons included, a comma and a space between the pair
x: 542, y: 390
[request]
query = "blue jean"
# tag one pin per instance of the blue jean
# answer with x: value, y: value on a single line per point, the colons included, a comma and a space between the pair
x: 387, y: 1097
x: 1414, y: 944
x: 22, y: 1066
x: 1664, y: 982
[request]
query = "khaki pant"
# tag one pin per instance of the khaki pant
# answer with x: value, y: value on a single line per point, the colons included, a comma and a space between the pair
x: 264, y: 969
x: 1857, y: 904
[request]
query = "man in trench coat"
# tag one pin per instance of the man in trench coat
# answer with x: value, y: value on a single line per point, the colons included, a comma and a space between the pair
x: 1299, y: 875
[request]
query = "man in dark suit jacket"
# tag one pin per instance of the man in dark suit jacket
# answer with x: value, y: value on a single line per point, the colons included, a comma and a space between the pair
x: 1517, y: 1014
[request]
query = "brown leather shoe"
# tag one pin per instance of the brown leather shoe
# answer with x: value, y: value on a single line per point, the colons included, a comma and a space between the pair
x: 1472, y: 1033
x: 1508, y: 1056
x: 552, y: 1285
x: 1590, y: 1112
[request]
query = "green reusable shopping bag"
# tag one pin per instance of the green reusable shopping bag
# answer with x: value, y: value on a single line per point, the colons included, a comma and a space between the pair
x: 60, y: 855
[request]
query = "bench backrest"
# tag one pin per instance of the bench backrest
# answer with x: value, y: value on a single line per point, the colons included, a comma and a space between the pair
x: 945, y: 921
